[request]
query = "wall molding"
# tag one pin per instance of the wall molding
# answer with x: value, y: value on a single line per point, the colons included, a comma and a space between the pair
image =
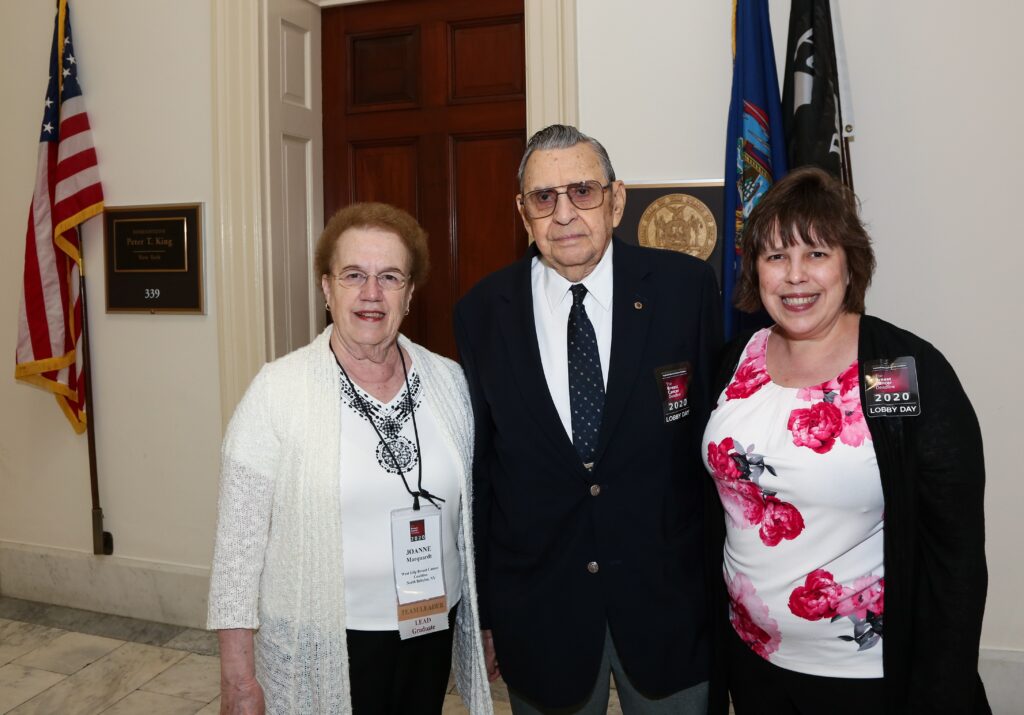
x: 552, y: 84
x: 118, y: 585
x: 236, y: 218
x: 1002, y: 671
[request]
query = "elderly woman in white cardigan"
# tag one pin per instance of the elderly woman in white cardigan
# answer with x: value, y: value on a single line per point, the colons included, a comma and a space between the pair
x: 338, y: 452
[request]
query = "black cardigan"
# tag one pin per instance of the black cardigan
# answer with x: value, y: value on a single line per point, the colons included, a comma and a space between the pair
x: 933, y: 479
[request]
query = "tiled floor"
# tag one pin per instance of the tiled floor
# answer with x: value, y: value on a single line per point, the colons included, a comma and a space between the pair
x: 56, y: 660
x: 63, y: 661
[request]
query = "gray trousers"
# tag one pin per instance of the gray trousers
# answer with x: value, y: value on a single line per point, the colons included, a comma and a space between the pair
x: 690, y: 701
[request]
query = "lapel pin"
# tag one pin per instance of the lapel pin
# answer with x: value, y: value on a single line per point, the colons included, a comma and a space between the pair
x: 638, y: 305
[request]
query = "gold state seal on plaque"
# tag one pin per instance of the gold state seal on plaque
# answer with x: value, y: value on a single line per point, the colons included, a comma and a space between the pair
x: 680, y: 222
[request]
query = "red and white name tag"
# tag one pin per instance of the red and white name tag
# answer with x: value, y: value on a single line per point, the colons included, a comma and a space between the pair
x: 674, y: 383
x: 890, y: 387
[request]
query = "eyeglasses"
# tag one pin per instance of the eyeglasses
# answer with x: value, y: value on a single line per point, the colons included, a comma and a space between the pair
x: 584, y: 195
x: 388, y: 280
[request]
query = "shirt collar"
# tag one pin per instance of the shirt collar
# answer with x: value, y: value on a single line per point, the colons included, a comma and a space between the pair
x: 598, y: 283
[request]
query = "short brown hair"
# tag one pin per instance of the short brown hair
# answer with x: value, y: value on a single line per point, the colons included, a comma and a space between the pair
x: 809, y: 206
x: 374, y: 215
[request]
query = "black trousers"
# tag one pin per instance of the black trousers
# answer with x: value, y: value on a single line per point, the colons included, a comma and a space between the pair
x: 390, y: 676
x: 759, y: 688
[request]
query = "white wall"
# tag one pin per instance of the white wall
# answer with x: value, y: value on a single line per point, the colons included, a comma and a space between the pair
x: 146, y: 76
x: 654, y: 82
x: 936, y: 92
x: 935, y: 163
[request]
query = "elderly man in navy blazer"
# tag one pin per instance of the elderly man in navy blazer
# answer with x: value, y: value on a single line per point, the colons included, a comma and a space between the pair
x: 588, y: 365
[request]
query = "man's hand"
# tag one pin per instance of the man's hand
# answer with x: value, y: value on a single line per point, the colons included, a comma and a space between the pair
x: 490, y: 658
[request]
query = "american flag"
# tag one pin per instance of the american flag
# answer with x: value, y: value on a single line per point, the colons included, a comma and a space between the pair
x: 67, y: 193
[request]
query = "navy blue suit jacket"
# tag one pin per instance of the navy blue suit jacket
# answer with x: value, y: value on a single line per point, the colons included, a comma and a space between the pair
x: 538, y: 519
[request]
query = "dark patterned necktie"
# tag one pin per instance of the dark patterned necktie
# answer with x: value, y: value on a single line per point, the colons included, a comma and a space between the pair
x: 586, y: 384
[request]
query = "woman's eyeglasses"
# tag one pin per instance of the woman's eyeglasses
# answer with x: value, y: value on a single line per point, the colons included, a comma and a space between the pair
x: 388, y: 280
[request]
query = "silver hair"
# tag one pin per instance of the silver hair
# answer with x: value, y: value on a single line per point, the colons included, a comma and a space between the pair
x: 563, y: 136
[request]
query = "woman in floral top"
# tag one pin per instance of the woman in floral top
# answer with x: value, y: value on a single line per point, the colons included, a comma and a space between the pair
x: 848, y: 463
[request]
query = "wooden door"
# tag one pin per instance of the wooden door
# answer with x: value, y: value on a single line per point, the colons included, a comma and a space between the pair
x: 425, y: 108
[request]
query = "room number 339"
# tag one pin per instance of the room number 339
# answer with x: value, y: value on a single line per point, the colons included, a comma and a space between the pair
x: 151, y: 293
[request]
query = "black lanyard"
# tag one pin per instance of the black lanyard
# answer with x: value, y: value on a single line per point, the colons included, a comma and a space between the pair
x: 365, y: 411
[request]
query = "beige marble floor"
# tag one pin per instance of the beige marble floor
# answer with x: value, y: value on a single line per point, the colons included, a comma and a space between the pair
x: 60, y: 661
x: 45, y: 671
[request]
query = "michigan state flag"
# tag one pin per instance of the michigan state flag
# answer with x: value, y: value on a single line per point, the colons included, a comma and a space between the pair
x: 755, y: 154
x: 812, y: 95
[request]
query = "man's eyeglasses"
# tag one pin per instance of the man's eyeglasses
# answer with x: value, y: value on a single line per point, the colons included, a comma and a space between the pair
x: 584, y: 195
x: 388, y: 280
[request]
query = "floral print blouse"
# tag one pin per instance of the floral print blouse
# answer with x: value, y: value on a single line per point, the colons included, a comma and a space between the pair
x: 796, y: 472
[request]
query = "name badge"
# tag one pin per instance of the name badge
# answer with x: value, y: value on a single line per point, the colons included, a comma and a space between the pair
x: 890, y: 387
x: 419, y: 571
x: 674, y: 383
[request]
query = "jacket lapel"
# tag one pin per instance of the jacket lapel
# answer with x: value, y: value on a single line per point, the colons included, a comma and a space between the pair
x: 520, y: 333
x: 633, y: 307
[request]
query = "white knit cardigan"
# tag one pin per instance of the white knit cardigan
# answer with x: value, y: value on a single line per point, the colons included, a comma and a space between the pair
x: 277, y: 564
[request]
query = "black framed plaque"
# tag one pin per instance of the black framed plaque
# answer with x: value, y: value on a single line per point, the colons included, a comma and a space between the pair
x: 681, y: 216
x: 154, y: 258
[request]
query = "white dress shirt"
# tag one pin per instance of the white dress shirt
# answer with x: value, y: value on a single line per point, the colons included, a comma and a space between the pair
x: 552, y: 300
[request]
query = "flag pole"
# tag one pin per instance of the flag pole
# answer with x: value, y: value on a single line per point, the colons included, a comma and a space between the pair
x: 53, y: 348
x: 102, y: 541
x: 847, y: 166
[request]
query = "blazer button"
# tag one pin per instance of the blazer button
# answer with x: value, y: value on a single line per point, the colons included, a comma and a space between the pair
x: 595, y: 489
x: 592, y: 567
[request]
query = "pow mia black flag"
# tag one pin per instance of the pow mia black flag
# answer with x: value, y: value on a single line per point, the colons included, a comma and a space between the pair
x: 811, y: 107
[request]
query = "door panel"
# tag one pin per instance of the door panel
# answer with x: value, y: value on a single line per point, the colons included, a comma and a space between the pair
x: 293, y: 306
x: 383, y: 70
x: 424, y: 107
x: 479, y: 175
x: 474, y: 45
x: 386, y: 169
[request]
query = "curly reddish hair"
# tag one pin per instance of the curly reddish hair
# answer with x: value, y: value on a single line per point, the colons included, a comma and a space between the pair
x: 374, y: 215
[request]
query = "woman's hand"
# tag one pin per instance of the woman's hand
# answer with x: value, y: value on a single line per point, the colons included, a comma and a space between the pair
x: 244, y: 697
x: 240, y: 692
x: 490, y: 657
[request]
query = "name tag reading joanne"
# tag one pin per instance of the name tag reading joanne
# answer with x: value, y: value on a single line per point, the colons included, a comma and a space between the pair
x: 419, y: 571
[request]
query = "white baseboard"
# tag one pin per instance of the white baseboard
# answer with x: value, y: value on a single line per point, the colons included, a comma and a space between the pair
x: 1002, y: 671
x: 150, y: 590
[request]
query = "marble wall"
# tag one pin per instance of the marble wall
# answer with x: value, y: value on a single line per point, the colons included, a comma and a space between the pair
x: 107, y: 584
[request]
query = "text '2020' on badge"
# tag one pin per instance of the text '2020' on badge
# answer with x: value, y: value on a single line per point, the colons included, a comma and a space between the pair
x: 890, y: 388
x: 674, y: 383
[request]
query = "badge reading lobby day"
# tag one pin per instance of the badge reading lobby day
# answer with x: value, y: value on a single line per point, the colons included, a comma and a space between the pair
x: 890, y: 387
x: 674, y: 382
